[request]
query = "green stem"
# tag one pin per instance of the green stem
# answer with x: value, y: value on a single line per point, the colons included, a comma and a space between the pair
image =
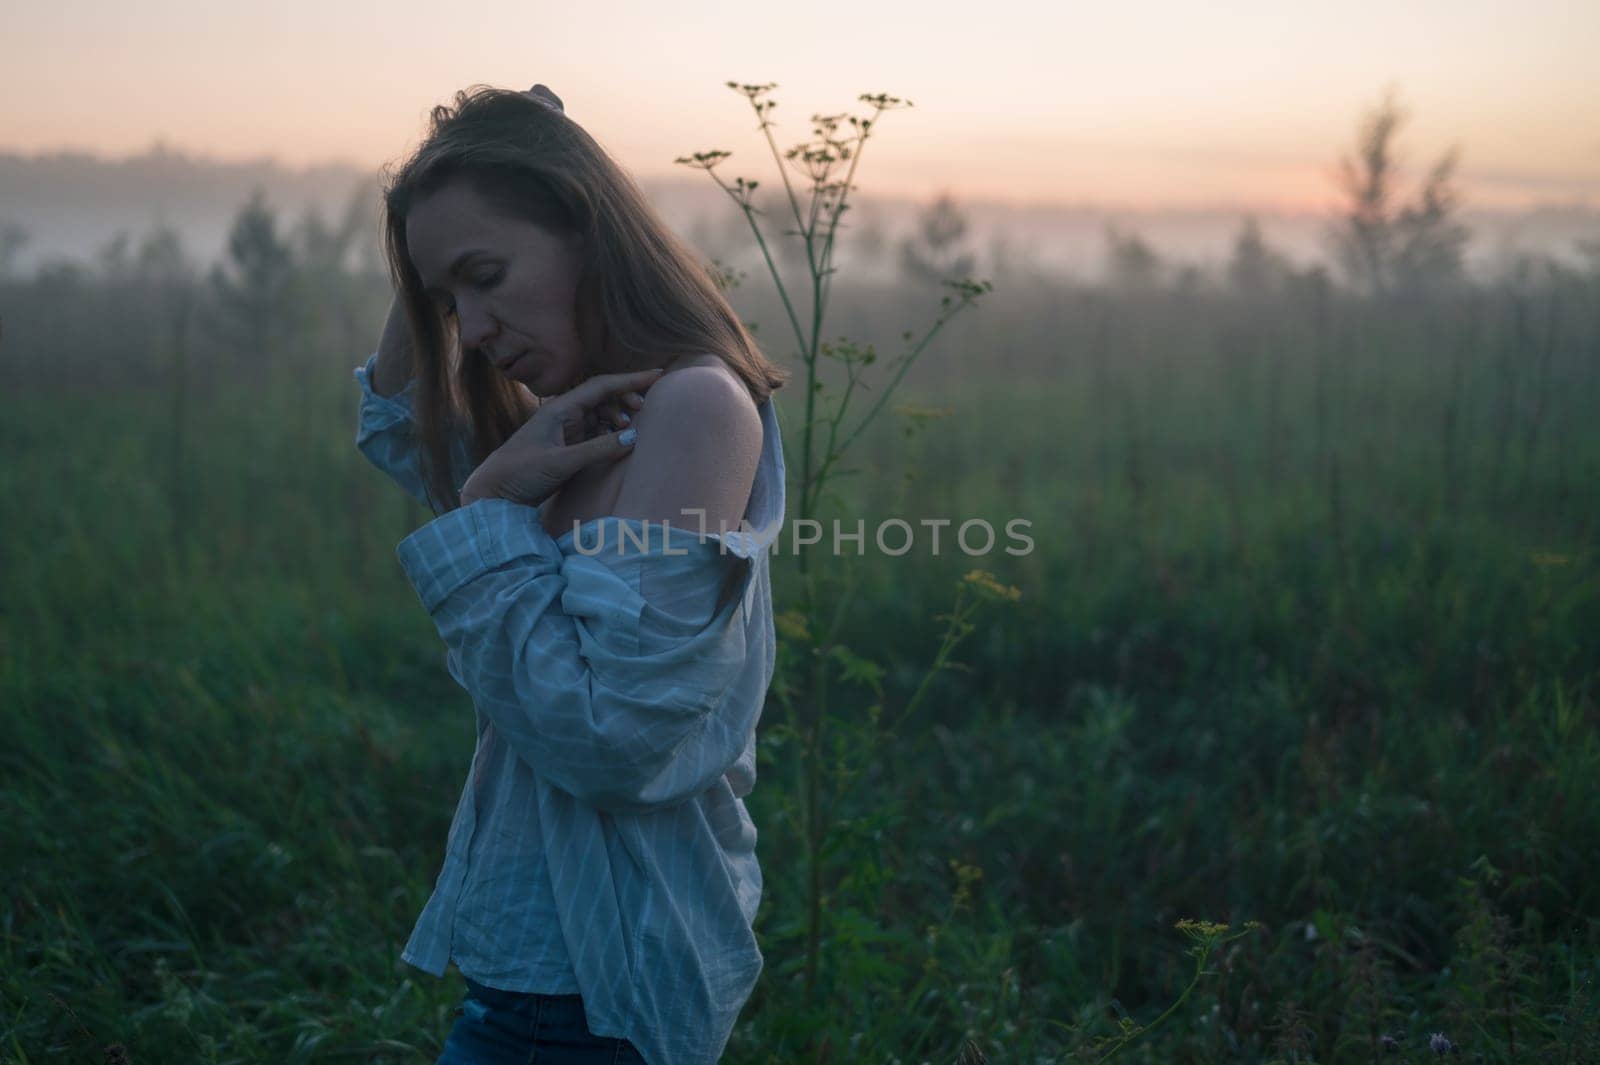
x: 905, y: 364
x: 1145, y: 1029
x: 954, y: 633
x: 815, y: 830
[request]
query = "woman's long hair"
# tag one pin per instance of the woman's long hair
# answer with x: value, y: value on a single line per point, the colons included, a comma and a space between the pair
x: 643, y: 296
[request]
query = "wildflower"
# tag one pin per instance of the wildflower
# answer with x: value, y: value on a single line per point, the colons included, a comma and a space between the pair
x: 791, y: 625
x: 1200, y: 929
x: 1438, y: 1043
x: 1389, y: 1043
x: 703, y: 160
x: 985, y: 584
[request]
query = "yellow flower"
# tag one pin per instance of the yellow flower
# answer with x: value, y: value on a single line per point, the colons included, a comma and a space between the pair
x: 1200, y: 929
x: 792, y: 625
x: 985, y: 584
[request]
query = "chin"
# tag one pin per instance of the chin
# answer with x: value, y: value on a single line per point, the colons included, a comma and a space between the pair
x: 545, y: 382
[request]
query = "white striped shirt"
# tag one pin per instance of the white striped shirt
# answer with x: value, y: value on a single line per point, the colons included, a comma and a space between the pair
x: 616, y: 739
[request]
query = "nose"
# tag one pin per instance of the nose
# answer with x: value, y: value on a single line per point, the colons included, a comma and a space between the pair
x: 477, y: 326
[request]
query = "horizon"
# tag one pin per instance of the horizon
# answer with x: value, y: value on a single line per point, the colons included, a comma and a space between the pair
x: 74, y: 205
x: 162, y: 147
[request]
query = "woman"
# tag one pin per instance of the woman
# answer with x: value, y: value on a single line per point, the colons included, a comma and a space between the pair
x: 563, y: 384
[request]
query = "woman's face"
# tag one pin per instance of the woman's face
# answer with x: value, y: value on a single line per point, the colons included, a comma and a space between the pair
x: 511, y: 283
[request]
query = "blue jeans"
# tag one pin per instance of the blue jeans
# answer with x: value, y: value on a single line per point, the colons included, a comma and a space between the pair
x: 496, y: 1027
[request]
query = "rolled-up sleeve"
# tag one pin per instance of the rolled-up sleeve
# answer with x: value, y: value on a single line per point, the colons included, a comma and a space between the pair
x: 386, y: 433
x: 629, y: 703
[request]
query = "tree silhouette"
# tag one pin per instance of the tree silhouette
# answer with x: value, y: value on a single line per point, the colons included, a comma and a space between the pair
x: 935, y: 252
x: 13, y: 238
x: 114, y: 259
x: 361, y: 225
x: 351, y: 241
x: 1590, y: 251
x: 1131, y: 263
x: 1382, y: 251
x: 322, y: 247
x: 1256, y: 268
x: 167, y: 272
x: 252, y: 287
x: 1429, y: 241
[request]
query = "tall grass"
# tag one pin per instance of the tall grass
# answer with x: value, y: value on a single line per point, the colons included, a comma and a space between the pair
x: 1308, y: 637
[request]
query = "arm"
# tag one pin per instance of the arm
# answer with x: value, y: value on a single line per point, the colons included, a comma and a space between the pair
x: 386, y: 432
x: 393, y: 369
x: 616, y: 673
x: 626, y: 702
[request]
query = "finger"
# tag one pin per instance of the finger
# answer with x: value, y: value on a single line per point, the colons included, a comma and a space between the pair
x: 607, y: 447
x: 597, y: 388
x: 584, y: 427
x: 612, y: 414
x: 605, y: 418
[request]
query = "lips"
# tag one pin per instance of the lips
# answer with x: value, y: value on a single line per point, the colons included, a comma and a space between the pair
x: 507, y: 363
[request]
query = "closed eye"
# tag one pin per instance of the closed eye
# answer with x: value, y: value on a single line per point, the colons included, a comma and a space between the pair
x: 482, y: 284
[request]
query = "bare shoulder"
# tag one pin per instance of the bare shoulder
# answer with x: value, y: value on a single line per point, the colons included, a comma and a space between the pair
x: 699, y: 444
x: 701, y: 406
x: 705, y: 381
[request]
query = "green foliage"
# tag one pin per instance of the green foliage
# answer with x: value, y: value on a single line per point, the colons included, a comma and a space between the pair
x: 1305, y: 639
x: 836, y: 750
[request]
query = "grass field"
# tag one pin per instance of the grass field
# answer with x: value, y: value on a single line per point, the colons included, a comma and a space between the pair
x: 1310, y: 636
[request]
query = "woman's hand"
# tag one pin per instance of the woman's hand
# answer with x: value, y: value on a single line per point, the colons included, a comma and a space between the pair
x: 566, y: 433
x: 613, y: 412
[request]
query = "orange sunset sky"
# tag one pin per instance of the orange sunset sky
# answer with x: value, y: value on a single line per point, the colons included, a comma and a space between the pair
x: 1133, y: 104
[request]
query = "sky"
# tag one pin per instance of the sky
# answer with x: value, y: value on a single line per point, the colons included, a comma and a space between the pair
x: 1156, y: 104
